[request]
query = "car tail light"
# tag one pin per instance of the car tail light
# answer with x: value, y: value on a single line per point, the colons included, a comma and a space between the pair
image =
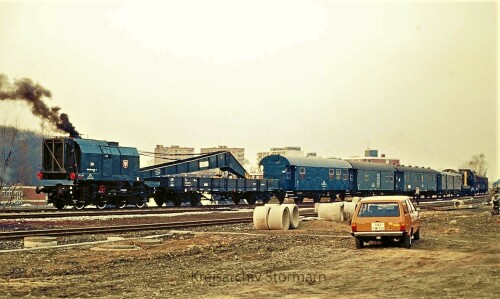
x: 402, y: 226
x: 39, y: 175
x: 72, y: 175
x: 353, y: 227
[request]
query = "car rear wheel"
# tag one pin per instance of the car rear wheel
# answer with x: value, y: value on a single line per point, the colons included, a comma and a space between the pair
x: 406, y: 242
x: 359, y: 243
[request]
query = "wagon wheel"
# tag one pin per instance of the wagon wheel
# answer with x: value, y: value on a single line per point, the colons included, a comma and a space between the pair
x: 101, y: 204
x: 139, y: 201
x: 159, y: 202
x: 78, y: 205
x: 59, y: 205
x: 236, y: 198
x: 252, y: 198
x: 298, y: 199
x: 194, y: 200
x: 120, y: 204
x: 280, y: 196
x: 177, y: 200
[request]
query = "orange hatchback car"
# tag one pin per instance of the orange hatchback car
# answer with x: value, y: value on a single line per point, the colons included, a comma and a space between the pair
x: 385, y: 218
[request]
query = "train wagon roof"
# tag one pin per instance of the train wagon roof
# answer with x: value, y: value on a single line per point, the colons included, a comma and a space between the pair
x: 93, y: 146
x: 304, y: 161
x: 416, y: 169
x: 372, y: 166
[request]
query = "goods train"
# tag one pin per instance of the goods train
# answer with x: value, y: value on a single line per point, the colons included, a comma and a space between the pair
x: 78, y: 172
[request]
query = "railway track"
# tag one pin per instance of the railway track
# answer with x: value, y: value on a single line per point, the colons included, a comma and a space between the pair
x: 12, y: 235
x: 52, y: 213
x: 440, y: 204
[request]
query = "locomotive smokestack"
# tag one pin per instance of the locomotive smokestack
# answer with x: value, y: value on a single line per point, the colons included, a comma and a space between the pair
x: 26, y: 90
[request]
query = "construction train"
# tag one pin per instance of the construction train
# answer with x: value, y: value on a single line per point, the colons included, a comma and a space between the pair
x: 79, y: 172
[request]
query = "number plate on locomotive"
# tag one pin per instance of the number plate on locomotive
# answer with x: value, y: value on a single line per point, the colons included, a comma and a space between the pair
x: 378, y: 226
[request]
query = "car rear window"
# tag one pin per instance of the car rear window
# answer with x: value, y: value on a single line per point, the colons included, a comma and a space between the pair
x: 379, y: 209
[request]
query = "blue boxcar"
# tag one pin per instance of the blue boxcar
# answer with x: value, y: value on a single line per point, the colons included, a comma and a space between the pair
x: 309, y: 177
x: 373, y: 178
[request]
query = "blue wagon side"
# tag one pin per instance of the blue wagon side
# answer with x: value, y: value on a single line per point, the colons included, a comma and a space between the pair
x: 409, y: 178
x: 309, y: 177
x: 373, y: 178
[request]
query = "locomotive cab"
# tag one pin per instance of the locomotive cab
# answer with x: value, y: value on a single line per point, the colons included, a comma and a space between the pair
x: 59, y: 160
x: 82, y: 172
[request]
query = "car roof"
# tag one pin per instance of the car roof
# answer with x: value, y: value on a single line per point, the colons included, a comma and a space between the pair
x: 384, y: 198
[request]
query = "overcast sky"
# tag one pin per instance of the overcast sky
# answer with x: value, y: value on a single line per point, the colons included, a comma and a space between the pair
x: 416, y: 80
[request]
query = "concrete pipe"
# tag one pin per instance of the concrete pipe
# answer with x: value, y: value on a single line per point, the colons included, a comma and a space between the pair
x: 458, y: 203
x: 279, y: 218
x: 260, y: 216
x: 356, y: 199
x: 316, y: 205
x: 331, y: 211
x: 34, y: 242
x: 349, y: 208
x: 293, y: 210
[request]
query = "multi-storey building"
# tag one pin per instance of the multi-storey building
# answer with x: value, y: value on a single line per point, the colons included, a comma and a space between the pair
x: 165, y: 154
x: 238, y: 152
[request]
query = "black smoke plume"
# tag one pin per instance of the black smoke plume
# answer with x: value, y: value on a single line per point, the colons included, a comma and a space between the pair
x: 26, y: 90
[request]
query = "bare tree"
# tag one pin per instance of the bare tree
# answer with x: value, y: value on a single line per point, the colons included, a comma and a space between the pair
x: 8, y: 136
x: 478, y: 164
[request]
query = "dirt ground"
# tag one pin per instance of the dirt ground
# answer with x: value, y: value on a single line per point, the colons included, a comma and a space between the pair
x: 458, y: 255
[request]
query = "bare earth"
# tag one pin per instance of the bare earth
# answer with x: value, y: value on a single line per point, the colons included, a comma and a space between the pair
x: 458, y: 256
